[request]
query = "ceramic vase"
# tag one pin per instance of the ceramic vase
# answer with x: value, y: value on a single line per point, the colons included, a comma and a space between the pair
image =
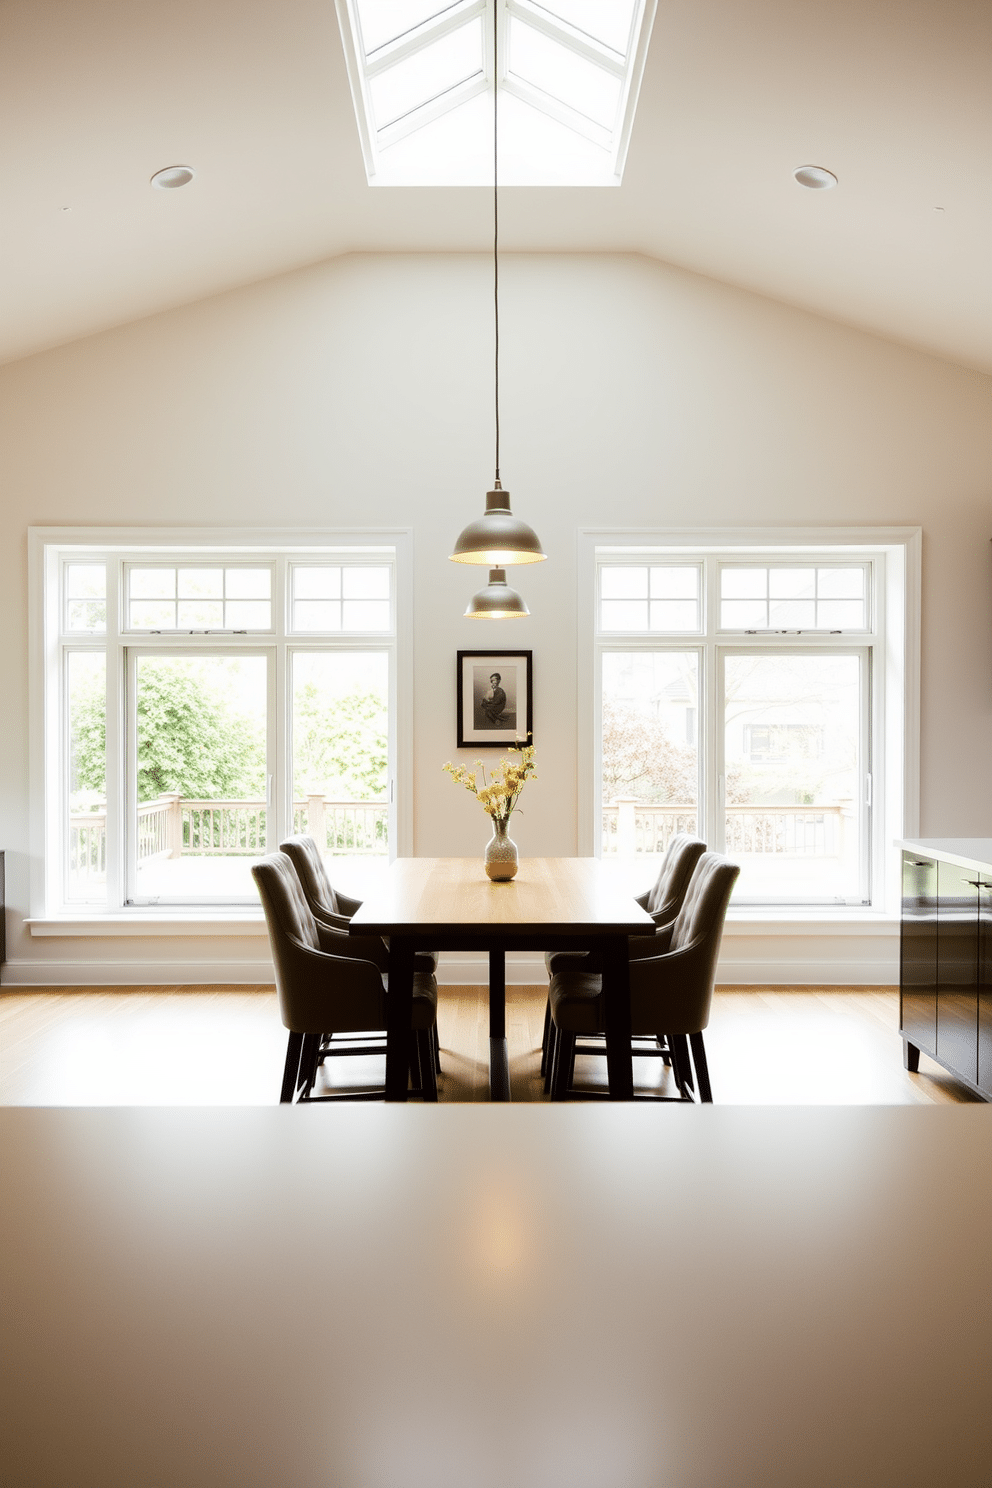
x: 501, y: 853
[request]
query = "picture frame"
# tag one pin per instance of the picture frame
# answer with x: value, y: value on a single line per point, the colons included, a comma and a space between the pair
x: 495, y: 699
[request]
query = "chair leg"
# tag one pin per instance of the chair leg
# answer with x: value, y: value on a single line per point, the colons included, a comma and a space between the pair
x: 436, y: 1045
x: 702, y: 1069
x: 428, y: 1075
x: 681, y: 1064
x: 291, y: 1068
x: 564, y: 1064
x: 548, y: 1065
x: 308, y: 1065
x: 416, y: 1074
x: 546, y: 1039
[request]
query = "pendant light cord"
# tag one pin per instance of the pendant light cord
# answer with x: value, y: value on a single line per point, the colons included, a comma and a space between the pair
x: 496, y: 215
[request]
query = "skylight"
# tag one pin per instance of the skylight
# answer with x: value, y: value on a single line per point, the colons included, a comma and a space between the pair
x: 421, y: 74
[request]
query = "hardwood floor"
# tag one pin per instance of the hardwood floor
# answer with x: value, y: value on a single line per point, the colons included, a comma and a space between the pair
x: 225, y: 1046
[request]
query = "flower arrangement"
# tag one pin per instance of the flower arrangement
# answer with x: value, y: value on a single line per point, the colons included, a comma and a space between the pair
x: 500, y: 792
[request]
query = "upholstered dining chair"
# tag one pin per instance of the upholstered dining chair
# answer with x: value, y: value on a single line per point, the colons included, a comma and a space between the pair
x: 333, y: 910
x: 328, y: 905
x: 670, y: 992
x: 663, y: 902
x: 323, y: 992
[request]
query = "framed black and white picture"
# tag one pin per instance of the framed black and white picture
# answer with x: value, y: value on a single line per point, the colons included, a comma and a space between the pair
x: 495, y: 699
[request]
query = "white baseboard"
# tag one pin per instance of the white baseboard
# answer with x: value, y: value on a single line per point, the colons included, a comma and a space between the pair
x: 136, y: 973
x: 763, y: 969
x: 807, y: 973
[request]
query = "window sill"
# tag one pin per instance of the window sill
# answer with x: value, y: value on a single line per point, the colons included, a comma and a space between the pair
x: 165, y: 923
x: 742, y: 920
x: 776, y: 919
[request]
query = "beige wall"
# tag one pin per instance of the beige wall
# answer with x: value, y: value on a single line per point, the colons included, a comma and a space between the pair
x: 360, y: 390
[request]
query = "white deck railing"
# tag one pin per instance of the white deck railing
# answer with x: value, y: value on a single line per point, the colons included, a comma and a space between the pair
x: 631, y: 827
x: 173, y: 826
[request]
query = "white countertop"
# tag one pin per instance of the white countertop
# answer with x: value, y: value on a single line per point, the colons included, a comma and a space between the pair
x: 964, y: 852
x: 545, y: 1297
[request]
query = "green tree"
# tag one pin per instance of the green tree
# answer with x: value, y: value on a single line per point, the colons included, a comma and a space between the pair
x: 192, y: 736
x: 340, y: 748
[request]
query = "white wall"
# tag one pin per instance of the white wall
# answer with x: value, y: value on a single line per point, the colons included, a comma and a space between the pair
x: 633, y: 394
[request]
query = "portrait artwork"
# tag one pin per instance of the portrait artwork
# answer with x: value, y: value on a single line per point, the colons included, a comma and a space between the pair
x: 494, y: 698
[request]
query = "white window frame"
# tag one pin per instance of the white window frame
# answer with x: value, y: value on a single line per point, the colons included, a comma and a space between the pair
x: 629, y: 71
x: 50, y: 548
x: 893, y: 639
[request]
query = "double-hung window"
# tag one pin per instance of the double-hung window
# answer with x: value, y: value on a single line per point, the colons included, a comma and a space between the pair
x: 754, y: 696
x: 202, y: 701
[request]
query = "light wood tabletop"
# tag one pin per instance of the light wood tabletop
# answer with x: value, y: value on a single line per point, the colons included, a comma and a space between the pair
x: 552, y: 904
x: 549, y: 896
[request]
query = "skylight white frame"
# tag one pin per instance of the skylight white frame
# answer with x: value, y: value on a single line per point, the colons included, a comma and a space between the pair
x: 629, y: 71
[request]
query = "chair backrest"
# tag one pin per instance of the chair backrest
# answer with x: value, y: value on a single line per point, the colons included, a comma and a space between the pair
x: 671, y: 993
x: 665, y: 899
x: 318, y: 991
x: 325, y: 903
x: 287, y: 912
x: 309, y: 865
x: 704, y: 907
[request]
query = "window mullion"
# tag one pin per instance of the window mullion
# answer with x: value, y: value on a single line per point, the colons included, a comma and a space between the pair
x: 867, y: 769
x: 280, y: 713
x: 116, y: 739
x: 716, y: 825
x: 276, y: 730
x: 711, y: 802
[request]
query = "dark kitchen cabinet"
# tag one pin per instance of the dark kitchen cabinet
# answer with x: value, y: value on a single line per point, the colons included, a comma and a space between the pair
x: 945, y: 977
x: 918, y: 958
x: 957, y: 970
x: 985, y: 987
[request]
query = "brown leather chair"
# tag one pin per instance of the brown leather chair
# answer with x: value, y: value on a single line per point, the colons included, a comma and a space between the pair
x: 670, y: 992
x: 322, y: 992
x: 663, y: 902
x: 333, y: 911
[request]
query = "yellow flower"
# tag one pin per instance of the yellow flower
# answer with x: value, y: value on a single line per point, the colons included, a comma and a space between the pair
x: 498, y: 793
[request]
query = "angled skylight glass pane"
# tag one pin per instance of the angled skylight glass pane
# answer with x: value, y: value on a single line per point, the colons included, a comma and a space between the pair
x: 608, y: 23
x: 385, y: 20
x: 563, y: 74
x: 457, y: 150
x: 429, y: 72
x: 421, y: 74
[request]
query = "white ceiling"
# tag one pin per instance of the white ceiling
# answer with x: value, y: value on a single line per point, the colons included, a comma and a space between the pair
x: 894, y: 96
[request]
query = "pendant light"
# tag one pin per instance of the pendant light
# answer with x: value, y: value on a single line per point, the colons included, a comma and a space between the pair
x: 497, y: 601
x: 498, y: 537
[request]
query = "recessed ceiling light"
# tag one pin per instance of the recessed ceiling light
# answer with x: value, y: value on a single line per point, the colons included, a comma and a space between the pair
x: 814, y: 177
x: 172, y: 176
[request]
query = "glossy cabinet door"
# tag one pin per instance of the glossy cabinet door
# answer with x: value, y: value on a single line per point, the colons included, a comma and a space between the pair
x: 918, y: 953
x: 985, y: 985
x: 957, y: 969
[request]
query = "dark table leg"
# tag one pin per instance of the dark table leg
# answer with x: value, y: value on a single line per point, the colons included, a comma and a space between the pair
x: 616, y: 992
x: 499, y: 1059
x: 399, y: 1006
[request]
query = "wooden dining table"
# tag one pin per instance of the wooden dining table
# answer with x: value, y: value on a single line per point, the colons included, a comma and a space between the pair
x: 553, y: 904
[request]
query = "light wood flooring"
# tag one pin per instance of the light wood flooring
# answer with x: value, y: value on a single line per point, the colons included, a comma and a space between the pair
x: 225, y: 1046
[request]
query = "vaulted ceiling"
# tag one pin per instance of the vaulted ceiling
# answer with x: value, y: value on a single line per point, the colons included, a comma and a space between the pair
x: 894, y: 96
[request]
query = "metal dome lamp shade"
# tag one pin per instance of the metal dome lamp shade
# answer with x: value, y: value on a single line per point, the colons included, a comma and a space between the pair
x: 497, y: 601
x: 498, y: 537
